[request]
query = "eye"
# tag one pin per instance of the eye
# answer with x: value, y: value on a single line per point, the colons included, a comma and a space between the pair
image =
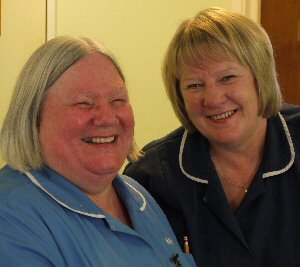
x: 195, y: 86
x: 119, y: 101
x: 84, y: 104
x: 228, y: 78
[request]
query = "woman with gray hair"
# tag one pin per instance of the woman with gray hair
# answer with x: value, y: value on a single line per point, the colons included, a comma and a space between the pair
x: 228, y: 179
x: 68, y: 130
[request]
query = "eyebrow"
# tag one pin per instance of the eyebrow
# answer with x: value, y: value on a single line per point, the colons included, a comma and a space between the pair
x: 119, y: 91
x: 115, y: 92
x: 192, y: 75
x: 87, y: 94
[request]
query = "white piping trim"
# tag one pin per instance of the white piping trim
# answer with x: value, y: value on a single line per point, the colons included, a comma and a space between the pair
x: 36, y: 182
x: 289, y: 139
x: 265, y: 175
x: 196, y: 179
x: 142, y: 208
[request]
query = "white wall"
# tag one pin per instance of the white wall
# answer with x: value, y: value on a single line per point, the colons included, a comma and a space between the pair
x: 137, y: 32
x: 22, y: 31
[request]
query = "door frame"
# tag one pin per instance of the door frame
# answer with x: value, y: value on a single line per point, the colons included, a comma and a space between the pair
x: 50, y: 19
x: 250, y: 8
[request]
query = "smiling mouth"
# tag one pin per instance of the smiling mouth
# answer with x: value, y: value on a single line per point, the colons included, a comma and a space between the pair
x: 99, y: 140
x: 223, y: 115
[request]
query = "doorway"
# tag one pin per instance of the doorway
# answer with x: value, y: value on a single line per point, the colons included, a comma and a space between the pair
x: 281, y: 20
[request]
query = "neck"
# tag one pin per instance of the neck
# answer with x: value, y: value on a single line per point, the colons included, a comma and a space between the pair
x: 110, y: 202
x: 231, y: 183
x: 236, y: 167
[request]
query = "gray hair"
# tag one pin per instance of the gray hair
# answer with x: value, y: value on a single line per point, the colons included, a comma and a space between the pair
x: 19, y: 136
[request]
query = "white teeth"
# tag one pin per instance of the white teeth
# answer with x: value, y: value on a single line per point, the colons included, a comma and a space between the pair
x: 223, y: 115
x: 98, y: 140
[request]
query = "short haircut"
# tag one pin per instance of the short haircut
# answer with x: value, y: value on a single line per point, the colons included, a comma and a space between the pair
x: 220, y: 34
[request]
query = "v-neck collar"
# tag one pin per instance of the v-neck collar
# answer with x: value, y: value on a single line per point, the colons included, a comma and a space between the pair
x: 195, y: 162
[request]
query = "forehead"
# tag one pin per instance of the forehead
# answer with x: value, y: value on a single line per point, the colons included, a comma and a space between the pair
x: 195, y: 52
x: 209, y: 65
x: 92, y: 72
x: 95, y: 63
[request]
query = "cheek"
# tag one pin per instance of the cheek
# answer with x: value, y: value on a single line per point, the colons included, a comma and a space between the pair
x: 127, y: 118
x: 76, y: 121
x: 192, y: 104
x: 64, y: 125
x: 127, y: 122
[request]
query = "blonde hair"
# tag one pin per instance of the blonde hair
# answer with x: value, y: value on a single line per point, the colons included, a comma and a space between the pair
x: 217, y: 34
x: 19, y: 136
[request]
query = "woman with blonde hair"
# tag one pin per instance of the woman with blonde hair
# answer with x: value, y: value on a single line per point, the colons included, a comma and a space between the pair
x: 228, y: 179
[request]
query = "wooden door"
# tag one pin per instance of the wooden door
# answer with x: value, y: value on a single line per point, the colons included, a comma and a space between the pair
x: 281, y: 20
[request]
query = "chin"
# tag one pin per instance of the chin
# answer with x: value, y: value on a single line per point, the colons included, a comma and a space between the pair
x: 105, y: 169
x: 103, y: 165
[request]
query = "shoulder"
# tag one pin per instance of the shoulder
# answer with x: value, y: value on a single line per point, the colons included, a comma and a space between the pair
x: 11, y: 183
x: 291, y: 115
x: 136, y: 187
x: 173, y: 137
x: 291, y: 123
x: 23, y: 225
x: 154, y: 153
x: 18, y: 195
x: 291, y: 112
x: 144, y: 198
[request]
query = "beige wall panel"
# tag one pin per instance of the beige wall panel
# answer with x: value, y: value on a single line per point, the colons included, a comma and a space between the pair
x: 137, y: 32
x: 22, y: 31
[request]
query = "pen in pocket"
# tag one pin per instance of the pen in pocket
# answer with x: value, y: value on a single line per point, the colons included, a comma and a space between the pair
x: 186, y: 246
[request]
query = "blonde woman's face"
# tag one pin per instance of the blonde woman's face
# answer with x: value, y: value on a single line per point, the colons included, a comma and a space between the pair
x: 87, y: 123
x: 221, y: 100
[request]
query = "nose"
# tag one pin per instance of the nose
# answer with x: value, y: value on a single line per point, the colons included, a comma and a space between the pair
x: 104, y: 116
x: 213, y: 96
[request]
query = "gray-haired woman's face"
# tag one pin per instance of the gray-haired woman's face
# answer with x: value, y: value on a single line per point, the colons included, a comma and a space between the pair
x: 87, y: 123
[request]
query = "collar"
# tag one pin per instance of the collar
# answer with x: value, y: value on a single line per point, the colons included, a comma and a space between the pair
x: 71, y: 197
x: 195, y: 162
